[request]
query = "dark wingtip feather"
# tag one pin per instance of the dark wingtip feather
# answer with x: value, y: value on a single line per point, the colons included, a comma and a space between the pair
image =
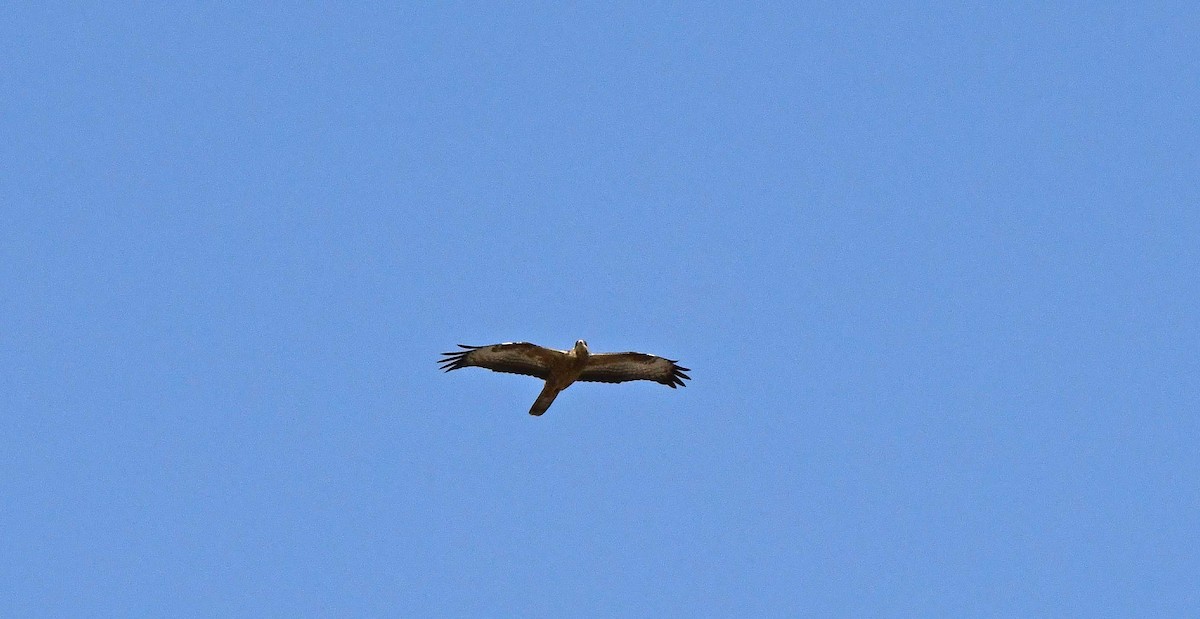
x: 453, y: 360
x: 679, y: 375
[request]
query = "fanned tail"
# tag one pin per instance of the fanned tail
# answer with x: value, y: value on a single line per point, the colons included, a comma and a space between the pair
x: 544, y: 400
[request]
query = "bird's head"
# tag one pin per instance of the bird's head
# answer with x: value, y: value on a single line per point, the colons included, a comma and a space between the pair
x: 581, y: 347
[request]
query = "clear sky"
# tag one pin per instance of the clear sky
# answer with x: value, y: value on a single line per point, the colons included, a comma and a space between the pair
x: 935, y: 270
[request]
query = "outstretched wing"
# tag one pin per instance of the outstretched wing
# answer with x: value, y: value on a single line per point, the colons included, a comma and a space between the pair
x: 618, y: 367
x: 511, y: 357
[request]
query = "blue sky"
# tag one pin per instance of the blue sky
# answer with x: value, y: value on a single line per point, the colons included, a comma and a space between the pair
x: 934, y: 269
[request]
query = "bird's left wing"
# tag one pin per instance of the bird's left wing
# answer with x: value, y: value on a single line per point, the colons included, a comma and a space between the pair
x: 511, y: 357
x: 618, y: 367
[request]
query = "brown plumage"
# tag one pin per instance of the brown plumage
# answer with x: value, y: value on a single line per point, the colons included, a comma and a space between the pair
x: 560, y: 368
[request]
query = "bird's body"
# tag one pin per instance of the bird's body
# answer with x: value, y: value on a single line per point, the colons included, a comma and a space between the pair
x: 561, y: 368
x: 561, y: 377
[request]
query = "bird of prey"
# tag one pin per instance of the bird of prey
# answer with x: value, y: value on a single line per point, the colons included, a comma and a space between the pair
x: 560, y: 368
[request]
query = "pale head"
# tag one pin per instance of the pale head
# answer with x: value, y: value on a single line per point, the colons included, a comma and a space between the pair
x: 581, y: 347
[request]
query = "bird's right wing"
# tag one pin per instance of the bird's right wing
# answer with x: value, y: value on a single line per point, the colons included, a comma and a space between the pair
x: 511, y: 357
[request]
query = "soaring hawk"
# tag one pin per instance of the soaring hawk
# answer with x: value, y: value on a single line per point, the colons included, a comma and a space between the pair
x: 560, y: 368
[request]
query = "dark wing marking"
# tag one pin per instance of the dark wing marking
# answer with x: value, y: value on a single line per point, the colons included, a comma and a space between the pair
x: 511, y: 357
x: 618, y: 367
